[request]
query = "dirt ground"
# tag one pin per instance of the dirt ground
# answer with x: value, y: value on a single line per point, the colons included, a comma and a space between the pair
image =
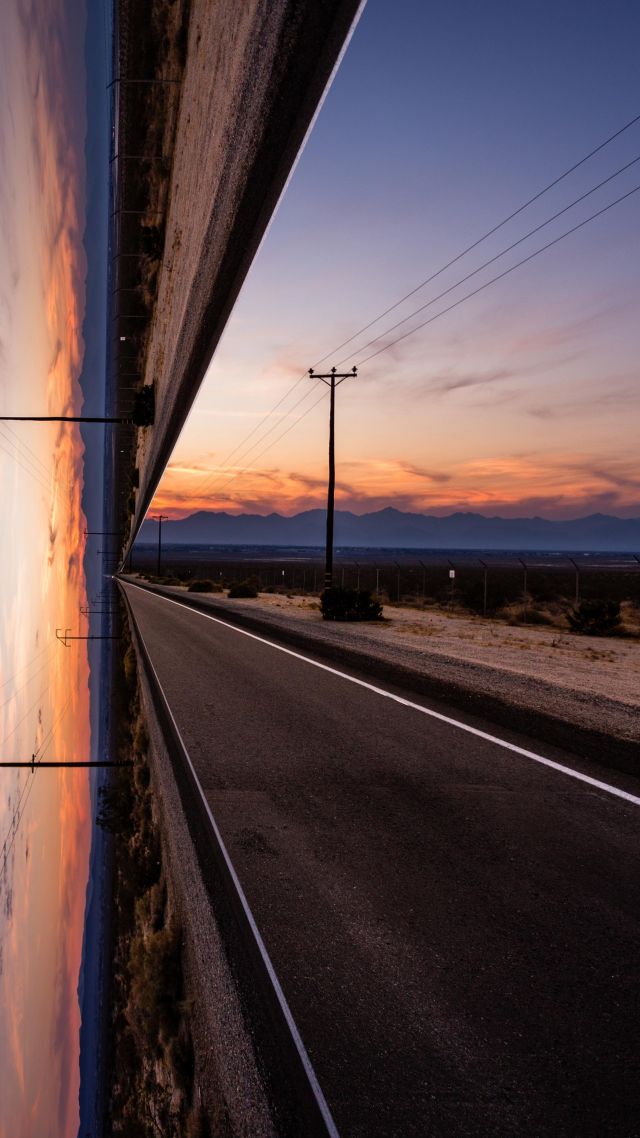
x: 608, y: 666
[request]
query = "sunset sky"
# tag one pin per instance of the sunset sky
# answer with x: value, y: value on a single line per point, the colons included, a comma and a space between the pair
x: 45, y: 822
x: 440, y: 122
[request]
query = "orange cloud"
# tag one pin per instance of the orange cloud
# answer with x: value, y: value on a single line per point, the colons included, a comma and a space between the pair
x: 560, y: 484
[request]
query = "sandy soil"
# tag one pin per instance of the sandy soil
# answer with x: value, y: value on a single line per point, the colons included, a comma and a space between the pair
x: 609, y: 666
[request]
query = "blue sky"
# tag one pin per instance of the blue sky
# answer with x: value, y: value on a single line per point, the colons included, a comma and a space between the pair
x: 441, y: 120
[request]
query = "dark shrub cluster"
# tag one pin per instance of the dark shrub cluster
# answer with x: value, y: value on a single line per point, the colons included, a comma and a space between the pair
x: 243, y: 589
x: 350, y: 604
x: 594, y: 618
x: 204, y: 586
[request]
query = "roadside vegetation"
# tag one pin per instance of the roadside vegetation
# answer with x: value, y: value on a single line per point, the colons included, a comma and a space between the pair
x: 349, y: 605
x: 610, y: 605
x: 151, y: 1059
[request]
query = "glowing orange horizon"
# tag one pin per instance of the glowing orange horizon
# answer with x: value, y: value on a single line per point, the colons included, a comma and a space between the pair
x: 502, y: 483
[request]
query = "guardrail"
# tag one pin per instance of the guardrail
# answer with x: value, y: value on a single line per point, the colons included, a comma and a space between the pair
x: 297, y: 1101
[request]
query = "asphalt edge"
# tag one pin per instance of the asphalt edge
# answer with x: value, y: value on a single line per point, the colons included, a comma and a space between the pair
x: 586, y: 743
x: 295, y: 1096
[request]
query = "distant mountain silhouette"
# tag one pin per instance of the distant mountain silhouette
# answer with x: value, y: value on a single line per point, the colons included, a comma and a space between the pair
x: 393, y: 529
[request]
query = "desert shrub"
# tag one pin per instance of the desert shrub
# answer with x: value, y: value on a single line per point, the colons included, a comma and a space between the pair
x: 141, y: 737
x: 114, y: 808
x: 243, y: 589
x: 204, y: 586
x: 156, y: 984
x: 130, y: 668
x: 594, y: 618
x: 350, y: 604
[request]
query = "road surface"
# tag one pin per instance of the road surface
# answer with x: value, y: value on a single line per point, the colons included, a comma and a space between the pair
x: 455, y: 925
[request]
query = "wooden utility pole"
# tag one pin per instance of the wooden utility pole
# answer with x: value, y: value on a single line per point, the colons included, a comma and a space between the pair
x: 35, y: 764
x: 160, y: 519
x: 332, y: 379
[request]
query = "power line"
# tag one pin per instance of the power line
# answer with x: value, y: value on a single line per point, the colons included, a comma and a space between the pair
x: 218, y: 489
x: 270, y: 446
x: 21, y: 806
x: 26, y: 715
x: 484, y: 237
x: 500, y: 276
x: 252, y: 432
x: 14, y: 454
x: 497, y: 256
x: 205, y: 485
x: 515, y: 213
x: 15, y: 675
x: 27, y: 683
x: 20, y: 442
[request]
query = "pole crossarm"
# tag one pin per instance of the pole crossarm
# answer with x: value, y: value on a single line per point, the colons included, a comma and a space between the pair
x: 332, y: 379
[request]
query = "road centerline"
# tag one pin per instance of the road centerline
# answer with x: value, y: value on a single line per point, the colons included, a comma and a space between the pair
x: 522, y: 752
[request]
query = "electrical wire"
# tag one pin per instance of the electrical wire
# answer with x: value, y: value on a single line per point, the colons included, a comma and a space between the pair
x: 213, y: 477
x: 25, y: 716
x: 25, y: 793
x: 271, y: 444
x: 48, y: 648
x: 14, y: 455
x: 485, y: 236
x: 20, y: 442
x: 469, y: 248
x: 219, y: 489
x: 502, y: 253
x: 24, y: 686
x: 500, y: 276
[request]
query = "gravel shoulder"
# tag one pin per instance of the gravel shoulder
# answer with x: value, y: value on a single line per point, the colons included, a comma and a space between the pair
x: 588, y: 687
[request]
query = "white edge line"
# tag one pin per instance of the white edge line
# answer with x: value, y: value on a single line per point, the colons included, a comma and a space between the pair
x: 280, y: 996
x: 605, y: 786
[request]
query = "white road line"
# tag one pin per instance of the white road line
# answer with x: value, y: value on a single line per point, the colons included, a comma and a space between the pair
x: 280, y: 997
x: 605, y: 786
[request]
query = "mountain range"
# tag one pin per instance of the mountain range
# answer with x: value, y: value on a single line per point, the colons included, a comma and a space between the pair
x: 395, y: 529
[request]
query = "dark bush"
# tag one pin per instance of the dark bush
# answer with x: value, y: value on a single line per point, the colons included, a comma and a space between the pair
x: 350, y: 604
x: 243, y: 589
x: 594, y: 618
x: 201, y: 587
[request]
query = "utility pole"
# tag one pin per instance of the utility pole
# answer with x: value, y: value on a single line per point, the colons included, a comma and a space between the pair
x: 332, y: 379
x: 484, y: 586
x: 66, y: 637
x: 452, y: 582
x: 34, y: 764
x: 524, y: 590
x: 424, y: 580
x: 577, y: 600
x: 143, y: 414
x: 160, y: 519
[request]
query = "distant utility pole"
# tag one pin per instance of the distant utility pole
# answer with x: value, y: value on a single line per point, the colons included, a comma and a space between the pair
x: 577, y: 571
x: 34, y: 764
x: 65, y: 637
x: 485, y: 568
x: 160, y: 519
x: 332, y: 379
x: 143, y: 414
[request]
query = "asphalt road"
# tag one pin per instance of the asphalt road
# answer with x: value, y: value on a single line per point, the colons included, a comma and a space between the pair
x: 455, y: 926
